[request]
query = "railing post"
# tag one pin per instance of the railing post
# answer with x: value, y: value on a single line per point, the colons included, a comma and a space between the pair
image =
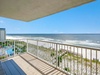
x: 56, y: 55
x: 27, y: 45
x: 14, y: 47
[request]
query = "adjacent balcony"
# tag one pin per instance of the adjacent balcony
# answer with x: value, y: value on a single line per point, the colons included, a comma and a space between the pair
x: 35, y: 57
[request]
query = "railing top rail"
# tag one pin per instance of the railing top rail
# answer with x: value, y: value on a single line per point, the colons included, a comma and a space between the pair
x: 77, y: 46
x: 92, y: 48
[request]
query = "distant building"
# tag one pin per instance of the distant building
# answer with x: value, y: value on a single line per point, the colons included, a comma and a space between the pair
x: 2, y: 34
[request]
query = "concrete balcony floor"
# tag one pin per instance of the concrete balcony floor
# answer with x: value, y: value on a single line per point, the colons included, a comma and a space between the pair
x: 30, y: 65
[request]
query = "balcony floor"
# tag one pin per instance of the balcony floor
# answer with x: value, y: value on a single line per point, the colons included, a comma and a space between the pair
x: 33, y: 66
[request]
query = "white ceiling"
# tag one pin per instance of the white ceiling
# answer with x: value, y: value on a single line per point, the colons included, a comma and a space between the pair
x: 27, y: 10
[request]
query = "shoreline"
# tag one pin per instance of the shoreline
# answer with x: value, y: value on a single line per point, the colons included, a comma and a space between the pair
x: 72, y: 48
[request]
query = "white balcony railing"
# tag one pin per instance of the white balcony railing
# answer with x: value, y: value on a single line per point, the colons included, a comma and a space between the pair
x: 75, y: 60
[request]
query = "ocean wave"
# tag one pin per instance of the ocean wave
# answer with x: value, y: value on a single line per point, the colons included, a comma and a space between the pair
x: 72, y: 42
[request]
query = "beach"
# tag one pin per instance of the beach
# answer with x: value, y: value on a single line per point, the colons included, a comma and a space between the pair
x: 44, y: 49
x: 73, y: 49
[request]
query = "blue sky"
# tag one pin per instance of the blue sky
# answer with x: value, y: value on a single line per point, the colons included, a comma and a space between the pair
x: 81, y: 19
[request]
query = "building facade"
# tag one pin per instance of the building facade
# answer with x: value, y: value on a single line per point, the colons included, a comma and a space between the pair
x: 2, y: 34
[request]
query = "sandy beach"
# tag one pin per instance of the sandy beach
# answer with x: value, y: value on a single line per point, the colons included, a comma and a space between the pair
x: 72, y: 49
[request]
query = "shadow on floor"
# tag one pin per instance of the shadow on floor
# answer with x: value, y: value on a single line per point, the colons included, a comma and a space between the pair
x: 11, y: 68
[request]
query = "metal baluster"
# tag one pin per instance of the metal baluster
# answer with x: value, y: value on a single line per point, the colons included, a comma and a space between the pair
x: 81, y: 61
x: 61, y: 57
x: 14, y: 47
x: 27, y: 45
x: 53, y: 46
x: 67, y: 56
x: 70, y: 59
x: 77, y: 61
x: 86, y: 61
x: 96, y: 64
x: 51, y: 51
x: 37, y: 49
x: 56, y: 55
x: 73, y: 61
x: 64, y: 57
x: 60, y: 65
x: 63, y: 50
x: 49, y: 56
x: 91, y: 62
x: 6, y: 42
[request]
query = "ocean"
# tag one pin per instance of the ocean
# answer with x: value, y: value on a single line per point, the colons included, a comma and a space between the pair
x: 92, y: 40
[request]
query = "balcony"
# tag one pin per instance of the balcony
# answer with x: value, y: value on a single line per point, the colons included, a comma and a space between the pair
x: 34, y: 57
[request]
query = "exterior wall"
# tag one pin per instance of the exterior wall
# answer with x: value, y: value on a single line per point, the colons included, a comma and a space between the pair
x: 2, y: 35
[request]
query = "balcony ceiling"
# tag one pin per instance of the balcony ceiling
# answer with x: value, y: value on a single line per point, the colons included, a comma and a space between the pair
x: 28, y: 10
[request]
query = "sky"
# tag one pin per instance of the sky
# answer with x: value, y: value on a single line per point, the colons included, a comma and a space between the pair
x: 78, y: 20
